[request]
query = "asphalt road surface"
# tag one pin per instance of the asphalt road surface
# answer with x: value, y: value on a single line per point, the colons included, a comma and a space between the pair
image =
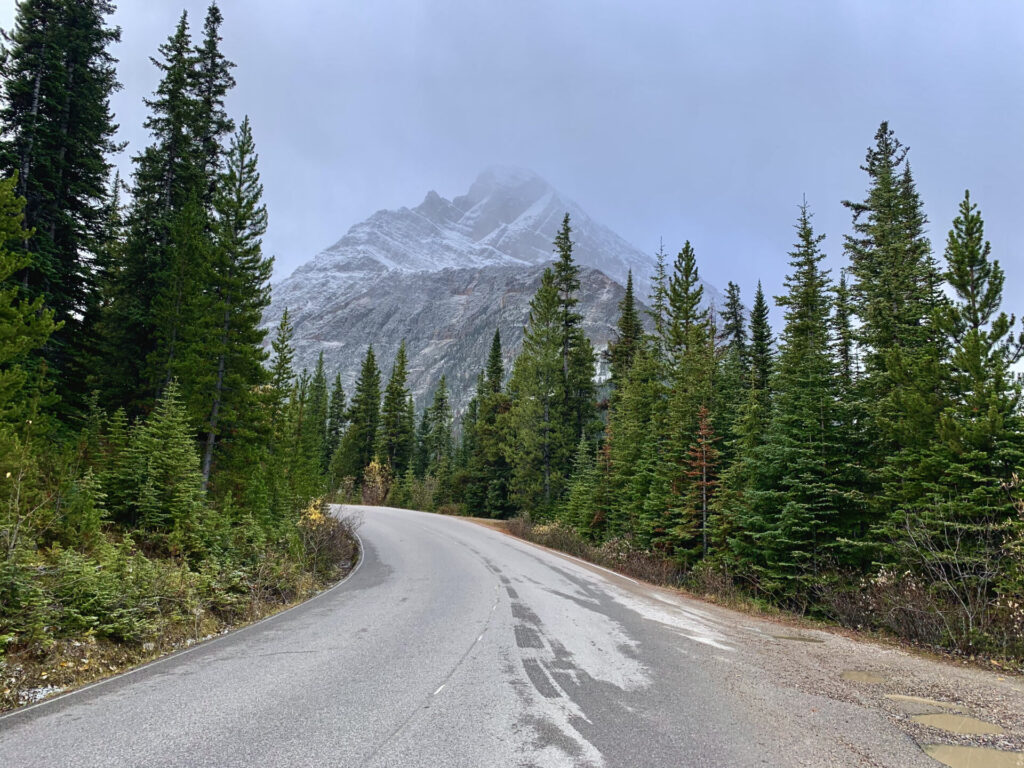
x: 455, y: 645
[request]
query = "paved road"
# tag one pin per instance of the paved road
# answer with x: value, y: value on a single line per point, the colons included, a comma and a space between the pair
x: 455, y: 645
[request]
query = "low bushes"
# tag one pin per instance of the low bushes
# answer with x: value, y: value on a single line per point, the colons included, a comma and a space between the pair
x: 115, y: 598
x: 617, y: 554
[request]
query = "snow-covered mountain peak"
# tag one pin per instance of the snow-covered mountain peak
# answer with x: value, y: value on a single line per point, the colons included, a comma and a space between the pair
x: 443, y: 274
x: 509, y: 216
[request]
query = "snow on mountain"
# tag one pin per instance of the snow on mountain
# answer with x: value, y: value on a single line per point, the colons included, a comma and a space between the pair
x: 444, y: 274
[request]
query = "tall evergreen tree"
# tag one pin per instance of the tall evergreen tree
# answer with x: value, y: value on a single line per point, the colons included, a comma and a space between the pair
x: 895, y: 292
x: 175, y: 311
x: 629, y: 335
x: 488, y: 470
x: 26, y: 324
x: 495, y: 371
x: 796, y: 511
x: 302, y: 442
x: 281, y: 371
x: 224, y: 356
x: 959, y: 530
x: 337, y: 418
x: 658, y: 311
x: 666, y: 521
x: 421, y: 457
x: 577, y: 388
x: 439, y: 438
x: 844, y: 335
x: 57, y: 134
x: 396, y: 437
x: 734, y: 328
x: 167, y: 178
x: 634, y: 422
x: 540, y: 432
x: 359, y: 443
x: 315, y: 427
x: 170, y: 223
x: 684, y: 296
x: 761, y: 344
x: 734, y: 366
x: 211, y: 81
x: 738, y: 524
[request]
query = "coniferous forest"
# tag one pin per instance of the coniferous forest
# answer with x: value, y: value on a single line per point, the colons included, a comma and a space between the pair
x: 163, y: 474
x: 860, y: 464
x: 159, y: 480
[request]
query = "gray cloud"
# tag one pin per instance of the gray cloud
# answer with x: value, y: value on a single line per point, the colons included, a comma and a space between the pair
x: 692, y: 121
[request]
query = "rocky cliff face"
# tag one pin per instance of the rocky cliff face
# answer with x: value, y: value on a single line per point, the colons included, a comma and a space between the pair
x: 444, y: 275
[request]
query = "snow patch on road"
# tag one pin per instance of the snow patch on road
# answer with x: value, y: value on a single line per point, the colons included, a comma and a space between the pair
x: 595, y: 642
x: 690, y: 623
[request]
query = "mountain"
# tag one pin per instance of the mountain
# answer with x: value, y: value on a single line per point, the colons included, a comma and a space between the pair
x: 444, y: 275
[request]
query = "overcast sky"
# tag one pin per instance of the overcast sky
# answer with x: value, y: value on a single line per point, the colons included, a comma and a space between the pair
x: 701, y: 121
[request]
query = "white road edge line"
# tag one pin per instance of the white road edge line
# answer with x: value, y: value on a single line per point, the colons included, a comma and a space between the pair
x: 202, y: 644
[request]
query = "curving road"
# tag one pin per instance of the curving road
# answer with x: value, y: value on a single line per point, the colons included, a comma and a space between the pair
x: 455, y: 645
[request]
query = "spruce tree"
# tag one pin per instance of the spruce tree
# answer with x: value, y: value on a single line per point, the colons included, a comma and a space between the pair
x: 395, y: 437
x: 734, y: 328
x: 275, y: 397
x: 796, y: 506
x: 849, y: 415
x: 577, y: 388
x: 733, y: 376
x: 842, y: 323
x: 315, y: 428
x: 958, y: 533
x: 302, y: 444
x: 26, y: 324
x: 421, y: 457
x: 488, y: 468
x: 468, y: 429
x: 658, y: 311
x: 224, y: 356
x: 495, y: 371
x: 359, y: 443
x: 629, y: 335
x: 635, y: 416
x: 666, y: 522
x: 57, y: 134
x: 684, y: 296
x: 175, y: 310
x: 761, y: 343
x: 440, y: 446
x: 439, y: 438
x: 281, y: 371
x: 337, y: 418
x: 541, y: 434
x: 168, y: 176
x: 895, y: 293
x: 740, y: 524
x: 578, y: 510
x: 169, y: 504
x: 211, y: 81
x: 171, y: 221
x: 889, y: 260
